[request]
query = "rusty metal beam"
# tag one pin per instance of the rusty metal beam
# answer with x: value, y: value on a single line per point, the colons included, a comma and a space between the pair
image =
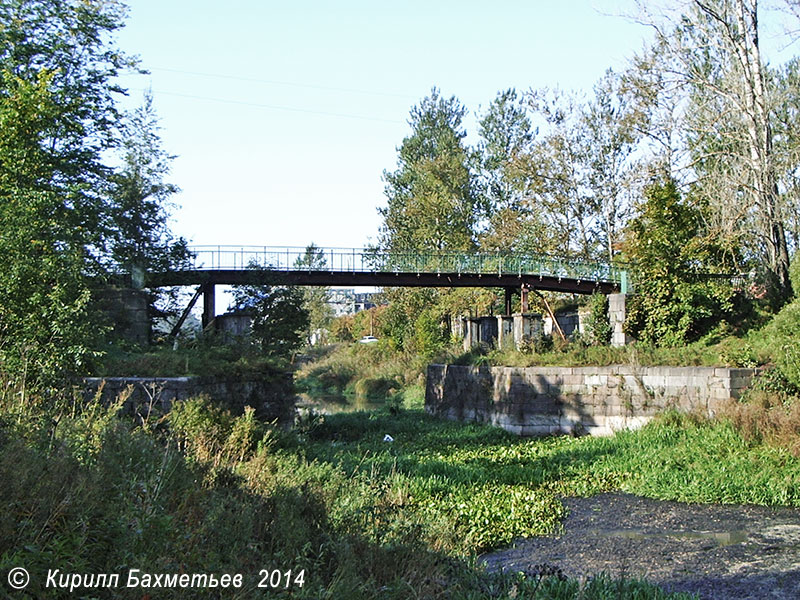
x: 185, y: 313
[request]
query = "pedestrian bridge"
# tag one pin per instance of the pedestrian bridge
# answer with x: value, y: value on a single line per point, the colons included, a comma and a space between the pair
x: 352, y: 267
x: 237, y: 265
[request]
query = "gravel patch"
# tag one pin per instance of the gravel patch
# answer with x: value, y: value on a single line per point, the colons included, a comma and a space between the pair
x: 725, y: 552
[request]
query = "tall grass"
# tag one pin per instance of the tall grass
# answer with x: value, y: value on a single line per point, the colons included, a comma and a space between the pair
x: 373, y: 371
x: 202, y: 491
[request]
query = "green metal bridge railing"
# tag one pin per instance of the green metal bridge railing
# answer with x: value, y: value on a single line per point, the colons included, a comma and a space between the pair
x: 359, y: 260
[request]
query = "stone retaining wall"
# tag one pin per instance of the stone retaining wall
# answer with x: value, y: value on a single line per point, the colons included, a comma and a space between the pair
x: 597, y: 400
x: 272, y: 398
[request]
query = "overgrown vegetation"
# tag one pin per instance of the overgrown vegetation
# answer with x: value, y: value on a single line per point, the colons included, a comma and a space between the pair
x: 199, y: 490
x: 370, y: 371
x: 202, y: 491
x: 360, y: 515
x: 204, y: 356
x: 279, y: 321
x: 677, y: 299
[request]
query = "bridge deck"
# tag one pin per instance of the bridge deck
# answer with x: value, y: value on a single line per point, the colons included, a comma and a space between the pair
x: 217, y: 265
x: 378, y: 279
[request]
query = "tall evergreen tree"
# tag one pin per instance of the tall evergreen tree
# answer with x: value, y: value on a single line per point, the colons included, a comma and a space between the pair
x: 506, y: 137
x: 140, y: 197
x: 432, y: 203
x: 139, y: 236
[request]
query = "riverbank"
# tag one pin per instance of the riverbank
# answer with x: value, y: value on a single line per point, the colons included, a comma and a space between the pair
x: 357, y: 515
x: 490, y: 487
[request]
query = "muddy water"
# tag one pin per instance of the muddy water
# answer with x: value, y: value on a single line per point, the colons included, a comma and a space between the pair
x: 719, y: 552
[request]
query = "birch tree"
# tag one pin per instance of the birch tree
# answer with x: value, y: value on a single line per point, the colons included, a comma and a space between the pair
x: 715, y: 53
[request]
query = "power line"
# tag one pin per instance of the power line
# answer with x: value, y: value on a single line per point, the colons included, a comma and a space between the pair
x: 273, y: 107
x: 286, y: 83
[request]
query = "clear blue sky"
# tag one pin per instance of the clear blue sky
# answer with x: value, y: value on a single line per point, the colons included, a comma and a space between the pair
x: 284, y: 115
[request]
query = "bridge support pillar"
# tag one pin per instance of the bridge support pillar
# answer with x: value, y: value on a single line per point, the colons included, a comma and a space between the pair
x: 505, y: 332
x: 524, y: 304
x: 616, y: 317
x: 209, y: 301
x: 509, y: 298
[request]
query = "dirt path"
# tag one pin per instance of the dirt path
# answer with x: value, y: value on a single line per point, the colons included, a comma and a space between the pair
x: 720, y: 552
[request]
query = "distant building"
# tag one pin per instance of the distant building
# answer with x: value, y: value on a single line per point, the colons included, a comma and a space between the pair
x: 364, y: 301
x: 348, y: 302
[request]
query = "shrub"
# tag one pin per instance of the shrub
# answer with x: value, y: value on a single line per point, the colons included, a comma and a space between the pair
x: 430, y: 336
x: 675, y: 302
x: 599, y: 326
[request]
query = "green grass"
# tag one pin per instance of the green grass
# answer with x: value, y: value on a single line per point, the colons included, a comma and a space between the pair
x: 489, y: 487
x: 203, y: 491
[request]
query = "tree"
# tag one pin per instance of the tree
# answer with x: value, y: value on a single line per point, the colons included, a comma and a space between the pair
x: 58, y: 116
x: 139, y: 234
x: 786, y: 143
x: 506, y: 136
x: 579, y: 171
x: 432, y: 204
x: 713, y: 49
x: 279, y: 320
x: 671, y: 253
x: 71, y: 41
x: 46, y: 331
x: 610, y: 122
x: 316, y: 299
x: 568, y: 221
x: 405, y: 308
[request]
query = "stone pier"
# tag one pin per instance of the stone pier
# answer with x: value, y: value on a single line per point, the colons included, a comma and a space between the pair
x: 597, y: 400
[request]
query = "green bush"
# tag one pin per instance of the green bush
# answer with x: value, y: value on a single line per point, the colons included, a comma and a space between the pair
x: 671, y: 253
x: 794, y: 274
x: 430, y: 336
x: 599, y: 326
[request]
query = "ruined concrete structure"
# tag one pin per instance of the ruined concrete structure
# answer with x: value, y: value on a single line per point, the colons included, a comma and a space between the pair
x: 535, y: 401
x: 506, y: 331
x: 272, y: 397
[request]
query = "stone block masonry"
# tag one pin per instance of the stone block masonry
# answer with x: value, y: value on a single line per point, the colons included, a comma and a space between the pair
x: 596, y: 400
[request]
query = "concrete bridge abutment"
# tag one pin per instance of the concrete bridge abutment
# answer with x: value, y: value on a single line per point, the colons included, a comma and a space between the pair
x: 515, y: 330
x: 616, y: 317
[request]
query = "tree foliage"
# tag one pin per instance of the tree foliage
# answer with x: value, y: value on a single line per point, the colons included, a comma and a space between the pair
x: 676, y: 302
x: 432, y: 204
x: 316, y: 298
x: 71, y: 41
x: 279, y: 319
x: 599, y: 327
x: 59, y: 228
x: 506, y: 135
x: 710, y: 50
x: 45, y: 328
x: 140, y: 196
x: 137, y: 208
